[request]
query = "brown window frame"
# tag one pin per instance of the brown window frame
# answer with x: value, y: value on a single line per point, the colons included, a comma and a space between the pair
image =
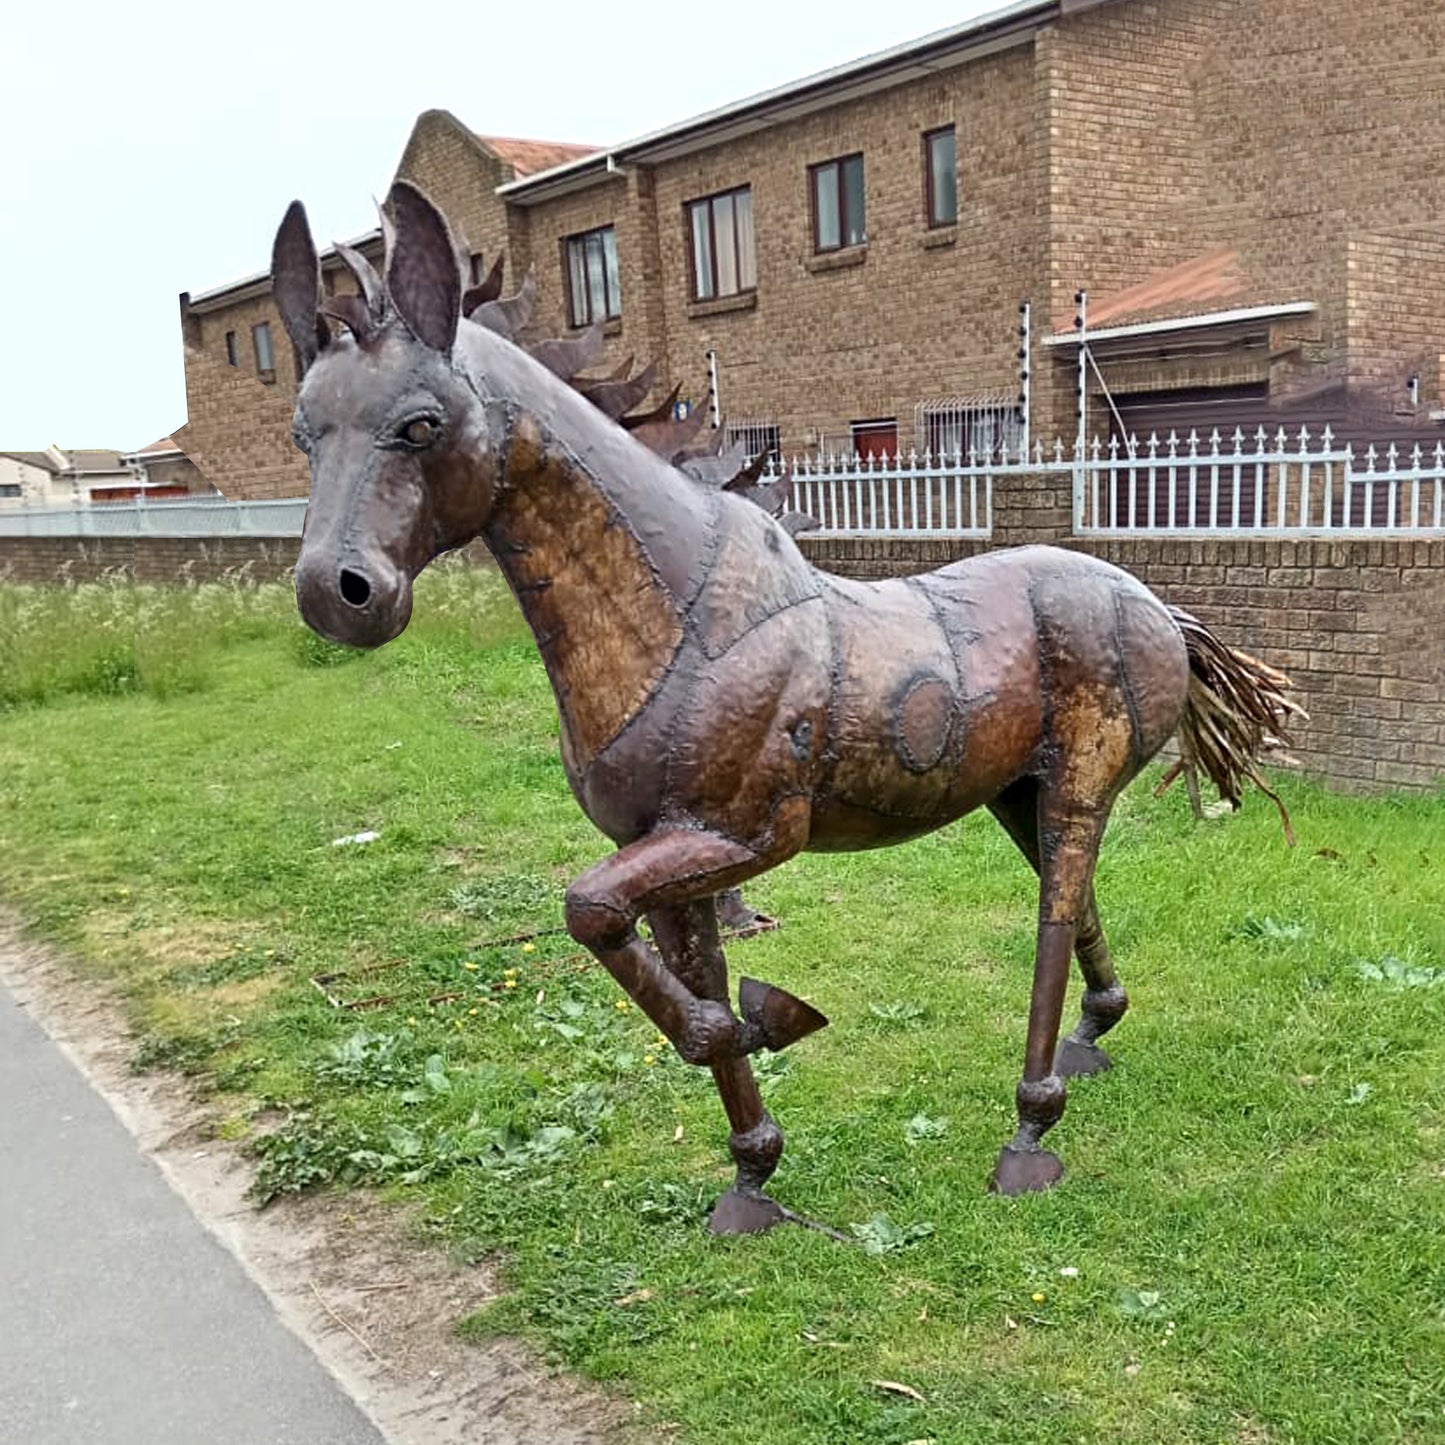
x: 579, y: 316
x: 837, y: 164
x: 709, y: 202
x: 929, y: 196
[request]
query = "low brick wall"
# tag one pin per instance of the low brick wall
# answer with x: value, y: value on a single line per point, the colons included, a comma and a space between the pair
x: 1359, y: 626
x: 147, y: 559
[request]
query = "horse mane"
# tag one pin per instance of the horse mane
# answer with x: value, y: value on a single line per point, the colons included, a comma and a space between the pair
x: 679, y: 442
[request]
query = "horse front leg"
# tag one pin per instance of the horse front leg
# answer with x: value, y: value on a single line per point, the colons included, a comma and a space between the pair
x: 1069, y: 847
x: 687, y: 936
x: 673, y: 876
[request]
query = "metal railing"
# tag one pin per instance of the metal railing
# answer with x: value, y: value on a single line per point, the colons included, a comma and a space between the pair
x: 918, y: 495
x: 1285, y: 485
x: 191, y: 517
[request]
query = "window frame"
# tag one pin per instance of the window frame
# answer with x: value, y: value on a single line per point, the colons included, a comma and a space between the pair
x: 233, y: 351
x: 758, y: 436
x: 837, y: 163
x: 612, y: 305
x: 930, y: 197
x: 689, y: 209
x: 260, y: 329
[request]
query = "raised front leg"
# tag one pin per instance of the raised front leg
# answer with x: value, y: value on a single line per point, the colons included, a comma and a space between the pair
x: 672, y: 877
x: 687, y: 936
x: 1069, y: 847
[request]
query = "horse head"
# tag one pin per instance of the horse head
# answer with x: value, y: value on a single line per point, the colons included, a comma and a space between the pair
x: 403, y: 454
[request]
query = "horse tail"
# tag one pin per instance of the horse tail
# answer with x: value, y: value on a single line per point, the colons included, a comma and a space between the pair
x: 1237, y: 712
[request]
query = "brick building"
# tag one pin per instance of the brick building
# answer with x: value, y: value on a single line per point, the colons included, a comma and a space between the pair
x: 1249, y: 191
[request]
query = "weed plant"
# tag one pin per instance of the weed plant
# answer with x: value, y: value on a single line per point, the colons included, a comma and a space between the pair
x: 1249, y: 1245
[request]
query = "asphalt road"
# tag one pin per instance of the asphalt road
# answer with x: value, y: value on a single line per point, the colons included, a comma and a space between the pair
x: 122, y: 1321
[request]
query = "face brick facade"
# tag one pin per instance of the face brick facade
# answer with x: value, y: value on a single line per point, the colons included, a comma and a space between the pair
x: 1273, y: 169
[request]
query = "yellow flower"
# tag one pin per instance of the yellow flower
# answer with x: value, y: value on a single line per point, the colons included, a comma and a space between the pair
x: 509, y: 983
x: 529, y: 948
x: 474, y: 1010
x: 471, y: 966
x: 648, y: 1059
x: 662, y: 1041
x: 1038, y: 1297
x: 621, y: 1005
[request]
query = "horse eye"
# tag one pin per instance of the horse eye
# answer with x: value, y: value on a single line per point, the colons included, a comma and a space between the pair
x: 421, y: 431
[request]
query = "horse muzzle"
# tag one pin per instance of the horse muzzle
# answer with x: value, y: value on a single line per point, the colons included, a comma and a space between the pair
x: 356, y: 601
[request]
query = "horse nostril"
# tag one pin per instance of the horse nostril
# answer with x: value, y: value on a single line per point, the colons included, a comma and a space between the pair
x: 355, y: 589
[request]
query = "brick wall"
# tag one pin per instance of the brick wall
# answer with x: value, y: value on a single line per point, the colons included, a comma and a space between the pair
x: 1396, y: 310
x: 915, y: 314
x: 146, y: 559
x: 446, y: 159
x: 239, y: 428
x: 613, y: 203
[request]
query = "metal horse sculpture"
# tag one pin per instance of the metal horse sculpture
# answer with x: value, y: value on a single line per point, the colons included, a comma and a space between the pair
x: 723, y: 704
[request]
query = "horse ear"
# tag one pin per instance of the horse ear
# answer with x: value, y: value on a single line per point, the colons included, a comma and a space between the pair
x: 296, y: 285
x: 424, y: 274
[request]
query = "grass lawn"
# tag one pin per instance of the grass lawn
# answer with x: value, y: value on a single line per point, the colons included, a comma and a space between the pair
x: 1250, y: 1242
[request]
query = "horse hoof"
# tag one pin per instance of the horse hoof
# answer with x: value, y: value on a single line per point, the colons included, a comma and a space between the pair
x: 1076, y: 1059
x: 1025, y: 1171
x: 738, y: 918
x: 738, y: 1213
x: 777, y: 1018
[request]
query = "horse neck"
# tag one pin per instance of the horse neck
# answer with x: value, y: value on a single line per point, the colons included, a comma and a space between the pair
x: 604, y: 545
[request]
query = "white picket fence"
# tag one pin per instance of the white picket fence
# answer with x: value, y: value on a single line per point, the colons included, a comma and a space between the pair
x: 1285, y: 485
x: 1264, y: 485
x: 188, y: 517
x: 917, y: 495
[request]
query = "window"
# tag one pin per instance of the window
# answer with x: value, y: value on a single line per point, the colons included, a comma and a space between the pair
x: 723, y: 260
x: 265, y: 357
x: 874, y: 440
x: 594, y: 292
x: 759, y: 439
x: 974, y: 429
x: 940, y: 177
x: 231, y: 354
x: 10, y: 489
x: 838, y: 204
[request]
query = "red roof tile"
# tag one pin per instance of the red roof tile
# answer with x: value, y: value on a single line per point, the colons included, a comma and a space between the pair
x: 1215, y: 281
x: 527, y: 157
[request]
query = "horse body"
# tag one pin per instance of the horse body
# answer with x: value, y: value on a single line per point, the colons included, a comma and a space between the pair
x: 724, y: 705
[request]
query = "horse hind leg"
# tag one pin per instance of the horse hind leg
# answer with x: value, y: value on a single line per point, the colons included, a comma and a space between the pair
x: 1104, y: 1002
x: 1067, y: 834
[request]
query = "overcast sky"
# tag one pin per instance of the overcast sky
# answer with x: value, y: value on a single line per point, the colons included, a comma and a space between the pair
x: 151, y: 148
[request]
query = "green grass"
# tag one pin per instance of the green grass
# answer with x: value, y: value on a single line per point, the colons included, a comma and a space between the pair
x: 1250, y: 1243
